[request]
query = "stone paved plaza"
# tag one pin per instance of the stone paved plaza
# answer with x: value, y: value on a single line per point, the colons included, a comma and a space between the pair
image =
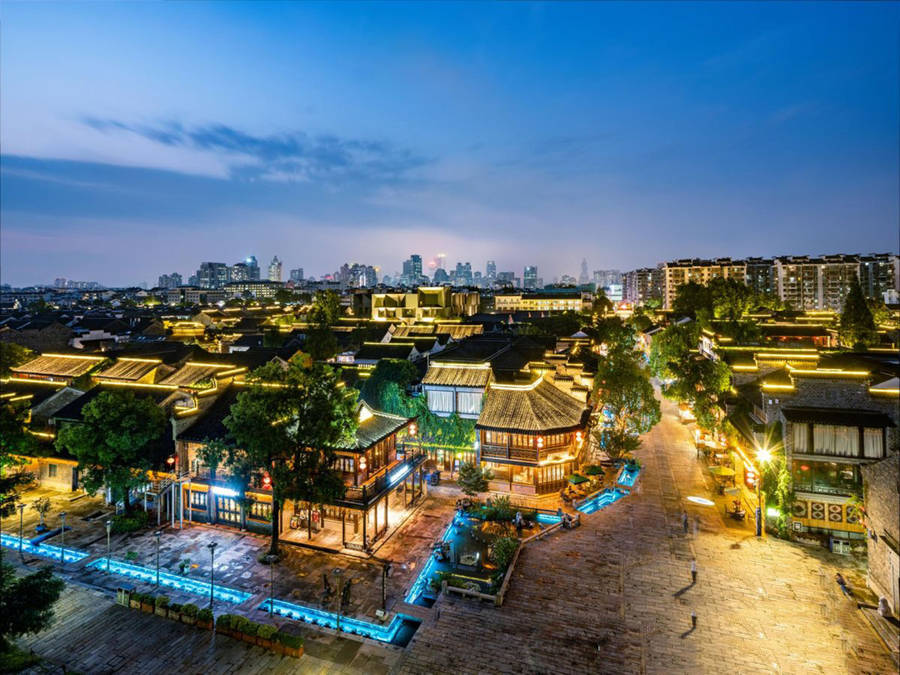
x: 612, y: 596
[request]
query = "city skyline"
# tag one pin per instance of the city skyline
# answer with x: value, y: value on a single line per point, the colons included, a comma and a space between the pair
x: 525, y: 134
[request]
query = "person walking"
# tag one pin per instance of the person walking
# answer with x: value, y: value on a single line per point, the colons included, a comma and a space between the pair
x: 694, y: 571
x: 696, y: 525
x: 693, y: 620
x: 684, y: 521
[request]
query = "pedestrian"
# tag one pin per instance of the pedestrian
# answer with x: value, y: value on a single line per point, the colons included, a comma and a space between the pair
x: 684, y: 521
x: 694, y: 571
x: 696, y: 525
x: 693, y: 620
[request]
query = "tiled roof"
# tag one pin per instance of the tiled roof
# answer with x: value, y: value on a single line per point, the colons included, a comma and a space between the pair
x: 130, y: 370
x: 538, y: 407
x: 59, y: 365
x: 374, y: 426
x: 192, y: 373
x: 447, y: 375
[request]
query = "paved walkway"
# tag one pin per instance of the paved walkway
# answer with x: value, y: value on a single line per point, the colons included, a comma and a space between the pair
x: 616, y: 594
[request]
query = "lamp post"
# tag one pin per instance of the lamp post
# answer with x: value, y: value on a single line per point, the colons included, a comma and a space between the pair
x: 157, y: 534
x: 62, y: 542
x: 108, y: 545
x: 764, y: 455
x: 271, y: 559
x: 21, y: 508
x: 212, y: 560
x: 339, y: 573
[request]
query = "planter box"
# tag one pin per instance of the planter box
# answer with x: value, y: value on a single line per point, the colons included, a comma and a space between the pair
x: 290, y: 651
x: 248, y: 638
x: 277, y: 647
x: 162, y: 611
x: 262, y: 642
x: 189, y: 620
x: 134, y: 604
x: 148, y: 608
x: 206, y: 625
x: 174, y: 614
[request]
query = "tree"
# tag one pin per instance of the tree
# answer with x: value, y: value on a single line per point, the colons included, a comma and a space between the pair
x: 115, y: 442
x: 672, y: 347
x: 26, y: 603
x: 857, y: 327
x: 624, y: 390
x: 321, y: 344
x: 288, y: 422
x: 693, y: 299
x: 472, y: 479
x: 614, y: 335
x: 12, y: 355
x: 243, y: 472
x: 880, y: 312
x: 602, y: 305
x: 14, y: 441
x: 283, y: 296
x: 213, y: 453
x: 388, y: 380
x: 326, y: 309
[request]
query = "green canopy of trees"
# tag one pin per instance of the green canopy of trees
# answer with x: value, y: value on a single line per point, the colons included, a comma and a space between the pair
x: 288, y: 422
x: 472, y: 479
x: 856, y: 328
x: 12, y: 355
x: 385, y: 389
x: 623, y: 388
x: 114, y: 442
x: 14, y: 440
x: 26, y: 603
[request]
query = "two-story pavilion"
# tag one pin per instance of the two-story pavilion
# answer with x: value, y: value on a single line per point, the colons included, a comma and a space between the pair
x: 532, y: 437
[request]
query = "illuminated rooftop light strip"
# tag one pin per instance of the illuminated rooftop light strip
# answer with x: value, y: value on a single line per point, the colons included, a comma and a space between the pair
x: 28, y: 380
x: 197, y: 364
x: 128, y: 358
x: 517, y: 387
x: 23, y: 397
x: 143, y: 385
x: 399, y: 474
x: 829, y: 371
x: 778, y: 386
x: 76, y: 356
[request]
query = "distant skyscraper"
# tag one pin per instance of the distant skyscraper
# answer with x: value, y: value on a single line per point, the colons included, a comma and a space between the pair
x: 529, y: 277
x: 412, y: 270
x: 212, y: 275
x: 59, y: 283
x: 606, y: 278
x: 252, y: 268
x: 297, y: 275
x: 463, y: 274
x: 275, y: 269
x: 583, y: 276
x: 169, y: 280
x: 441, y: 276
x: 491, y: 271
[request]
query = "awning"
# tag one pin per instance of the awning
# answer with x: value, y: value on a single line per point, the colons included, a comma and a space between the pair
x: 577, y: 479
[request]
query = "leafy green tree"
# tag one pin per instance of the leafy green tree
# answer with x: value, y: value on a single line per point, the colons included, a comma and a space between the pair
x: 288, y: 422
x: 283, y: 296
x: 326, y: 309
x: 115, y: 442
x: 672, y: 347
x: 693, y: 299
x: 602, y: 305
x: 213, y: 454
x: 857, y: 327
x: 472, y: 479
x: 614, y: 335
x: 730, y: 298
x: 14, y: 441
x: 321, y: 344
x: 26, y: 603
x: 388, y: 379
x: 12, y: 355
x: 880, y: 312
x: 623, y: 388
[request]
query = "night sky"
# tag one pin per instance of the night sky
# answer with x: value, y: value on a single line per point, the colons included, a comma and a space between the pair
x: 139, y: 139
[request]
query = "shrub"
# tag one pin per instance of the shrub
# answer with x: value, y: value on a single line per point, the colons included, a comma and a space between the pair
x: 205, y: 614
x: 593, y: 470
x: 503, y: 551
x: 241, y: 624
x: 265, y: 631
x: 162, y: 601
x: 175, y: 607
x: 131, y: 556
x: 225, y: 621
x: 123, y: 523
x: 249, y: 627
x: 292, y: 641
x: 190, y: 609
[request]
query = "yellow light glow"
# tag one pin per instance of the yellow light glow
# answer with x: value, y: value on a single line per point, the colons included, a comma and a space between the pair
x: 74, y: 356
x: 24, y: 397
x: 764, y: 455
x: 42, y: 434
x: 142, y: 385
x: 365, y: 414
x: 140, y: 360
x: 778, y: 386
x: 28, y: 380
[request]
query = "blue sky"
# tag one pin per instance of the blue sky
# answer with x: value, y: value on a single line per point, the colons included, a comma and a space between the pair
x: 143, y: 138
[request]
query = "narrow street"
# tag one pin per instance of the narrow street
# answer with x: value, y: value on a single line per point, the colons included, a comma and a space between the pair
x: 616, y: 594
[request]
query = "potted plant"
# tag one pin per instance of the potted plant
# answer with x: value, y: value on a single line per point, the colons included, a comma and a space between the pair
x: 162, y: 606
x: 189, y: 614
x: 41, y: 505
x: 134, y: 600
x: 205, y: 618
x: 223, y: 624
x: 147, y: 603
x: 175, y: 611
x: 184, y: 565
x: 292, y: 645
x: 264, y: 635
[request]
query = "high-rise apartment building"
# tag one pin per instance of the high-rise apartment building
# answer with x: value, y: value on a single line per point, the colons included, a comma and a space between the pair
x: 760, y: 275
x: 412, y: 270
x: 680, y: 272
x: 642, y: 285
x: 169, y: 280
x: 529, y: 277
x: 607, y: 278
x: 879, y: 273
x: 463, y: 274
x: 212, y: 275
x: 275, y: 269
x: 252, y: 268
x: 297, y: 275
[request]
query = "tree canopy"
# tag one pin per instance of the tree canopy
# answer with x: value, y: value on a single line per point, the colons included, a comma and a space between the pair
x: 288, y: 422
x: 114, y: 442
x: 472, y: 479
x: 14, y: 440
x: 385, y: 389
x: 12, y: 355
x: 857, y: 326
x: 26, y: 603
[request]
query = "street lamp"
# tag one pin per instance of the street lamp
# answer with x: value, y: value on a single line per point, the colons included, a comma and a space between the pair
x: 62, y: 542
x: 212, y: 559
x: 271, y: 559
x: 21, y: 508
x: 108, y: 546
x: 339, y: 573
x: 157, y: 534
x: 764, y: 455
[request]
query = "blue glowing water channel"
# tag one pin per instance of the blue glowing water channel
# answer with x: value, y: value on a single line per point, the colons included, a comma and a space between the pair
x: 42, y: 549
x: 628, y: 476
x: 374, y: 631
x: 148, y: 575
x: 601, y: 499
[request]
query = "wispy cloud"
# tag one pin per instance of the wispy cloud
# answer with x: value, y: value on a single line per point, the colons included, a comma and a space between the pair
x: 293, y: 156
